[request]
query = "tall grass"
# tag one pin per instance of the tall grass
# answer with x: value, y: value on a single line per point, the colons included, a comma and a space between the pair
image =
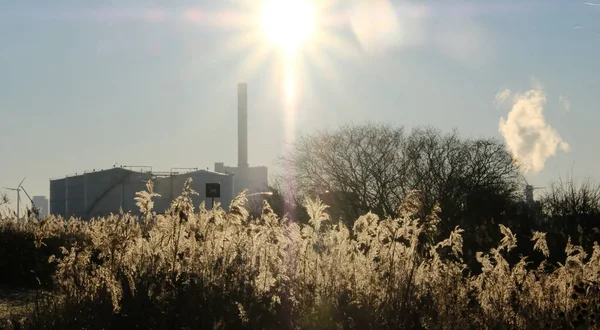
x: 210, y: 269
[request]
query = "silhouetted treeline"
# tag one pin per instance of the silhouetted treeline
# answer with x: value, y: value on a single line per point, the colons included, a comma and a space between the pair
x: 476, y: 182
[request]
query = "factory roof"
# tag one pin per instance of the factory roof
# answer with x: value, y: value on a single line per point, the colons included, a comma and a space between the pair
x: 144, y: 170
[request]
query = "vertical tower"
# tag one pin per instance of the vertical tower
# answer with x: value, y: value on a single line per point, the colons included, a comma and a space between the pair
x: 242, y: 125
x: 529, y: 194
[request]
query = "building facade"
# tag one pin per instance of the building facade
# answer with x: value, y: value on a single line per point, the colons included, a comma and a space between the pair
x: 254, y: 179
x: 100, y: 193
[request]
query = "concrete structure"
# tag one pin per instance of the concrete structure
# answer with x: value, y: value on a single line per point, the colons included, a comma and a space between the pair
x: 255, y: 179
x: 41, y: 202
x: 529, y: 193
x: 100, y: 193
x: 242, y: 125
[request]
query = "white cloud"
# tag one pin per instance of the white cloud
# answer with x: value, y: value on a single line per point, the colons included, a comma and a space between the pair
x: 530, y: 139
x: 502, y: 96
x: 565, y: 102
x: 591, y: 4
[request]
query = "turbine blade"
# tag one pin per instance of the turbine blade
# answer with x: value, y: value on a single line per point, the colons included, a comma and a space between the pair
x: 19, y: 186
x: 25, y: 191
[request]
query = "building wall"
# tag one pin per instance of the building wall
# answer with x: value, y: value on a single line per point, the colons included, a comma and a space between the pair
x: 255, y: 179
x: 134, y: 183
x: 171, y: 187
x: 107, y: 192
x: 75, y: 196
x: 58, y: 196
x: 98, y: 194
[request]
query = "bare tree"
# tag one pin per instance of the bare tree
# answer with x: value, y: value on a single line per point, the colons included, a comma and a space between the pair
x: 4, y: 199
x: 361, y: 166
x: 570, y: 199
x: 370, y: 167
x: 466, y: 177
x: 572, y: 210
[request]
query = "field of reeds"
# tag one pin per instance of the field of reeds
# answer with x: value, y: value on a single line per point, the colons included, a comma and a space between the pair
x: 195, y: 268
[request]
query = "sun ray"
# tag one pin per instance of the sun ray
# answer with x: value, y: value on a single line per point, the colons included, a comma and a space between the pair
x: 252, y: 63
x: 295, y: 43
x: 289, y: 101
x: 288, y: 23
x: 329, y: 42
x: 320, y: 61
x: 284, y: 52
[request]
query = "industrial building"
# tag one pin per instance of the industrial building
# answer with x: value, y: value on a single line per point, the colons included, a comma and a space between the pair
x: 255, y: 179
x: 100, y: 193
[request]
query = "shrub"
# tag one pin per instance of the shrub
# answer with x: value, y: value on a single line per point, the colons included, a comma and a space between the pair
x: 199, y: 268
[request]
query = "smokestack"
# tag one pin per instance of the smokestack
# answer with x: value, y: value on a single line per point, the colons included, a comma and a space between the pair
x: 242, y: 125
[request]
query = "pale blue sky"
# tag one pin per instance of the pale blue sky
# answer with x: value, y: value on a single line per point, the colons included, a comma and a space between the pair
x: 83, y: 86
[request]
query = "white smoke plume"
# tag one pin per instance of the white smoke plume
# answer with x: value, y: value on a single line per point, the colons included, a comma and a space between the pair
x: 530, y: 139
x: 502, y: 96
x: 565, y: 102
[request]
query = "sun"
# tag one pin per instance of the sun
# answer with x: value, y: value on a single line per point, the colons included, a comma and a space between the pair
x: 288, y: 23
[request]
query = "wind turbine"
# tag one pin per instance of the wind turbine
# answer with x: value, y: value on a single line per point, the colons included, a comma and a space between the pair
x: 18, y: 190
x: 33, y: 208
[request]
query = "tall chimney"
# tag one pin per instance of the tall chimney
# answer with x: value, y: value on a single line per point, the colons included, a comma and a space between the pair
x: 242, y: 125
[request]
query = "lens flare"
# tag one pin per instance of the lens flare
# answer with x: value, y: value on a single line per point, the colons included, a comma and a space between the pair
x: 288, y: 23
